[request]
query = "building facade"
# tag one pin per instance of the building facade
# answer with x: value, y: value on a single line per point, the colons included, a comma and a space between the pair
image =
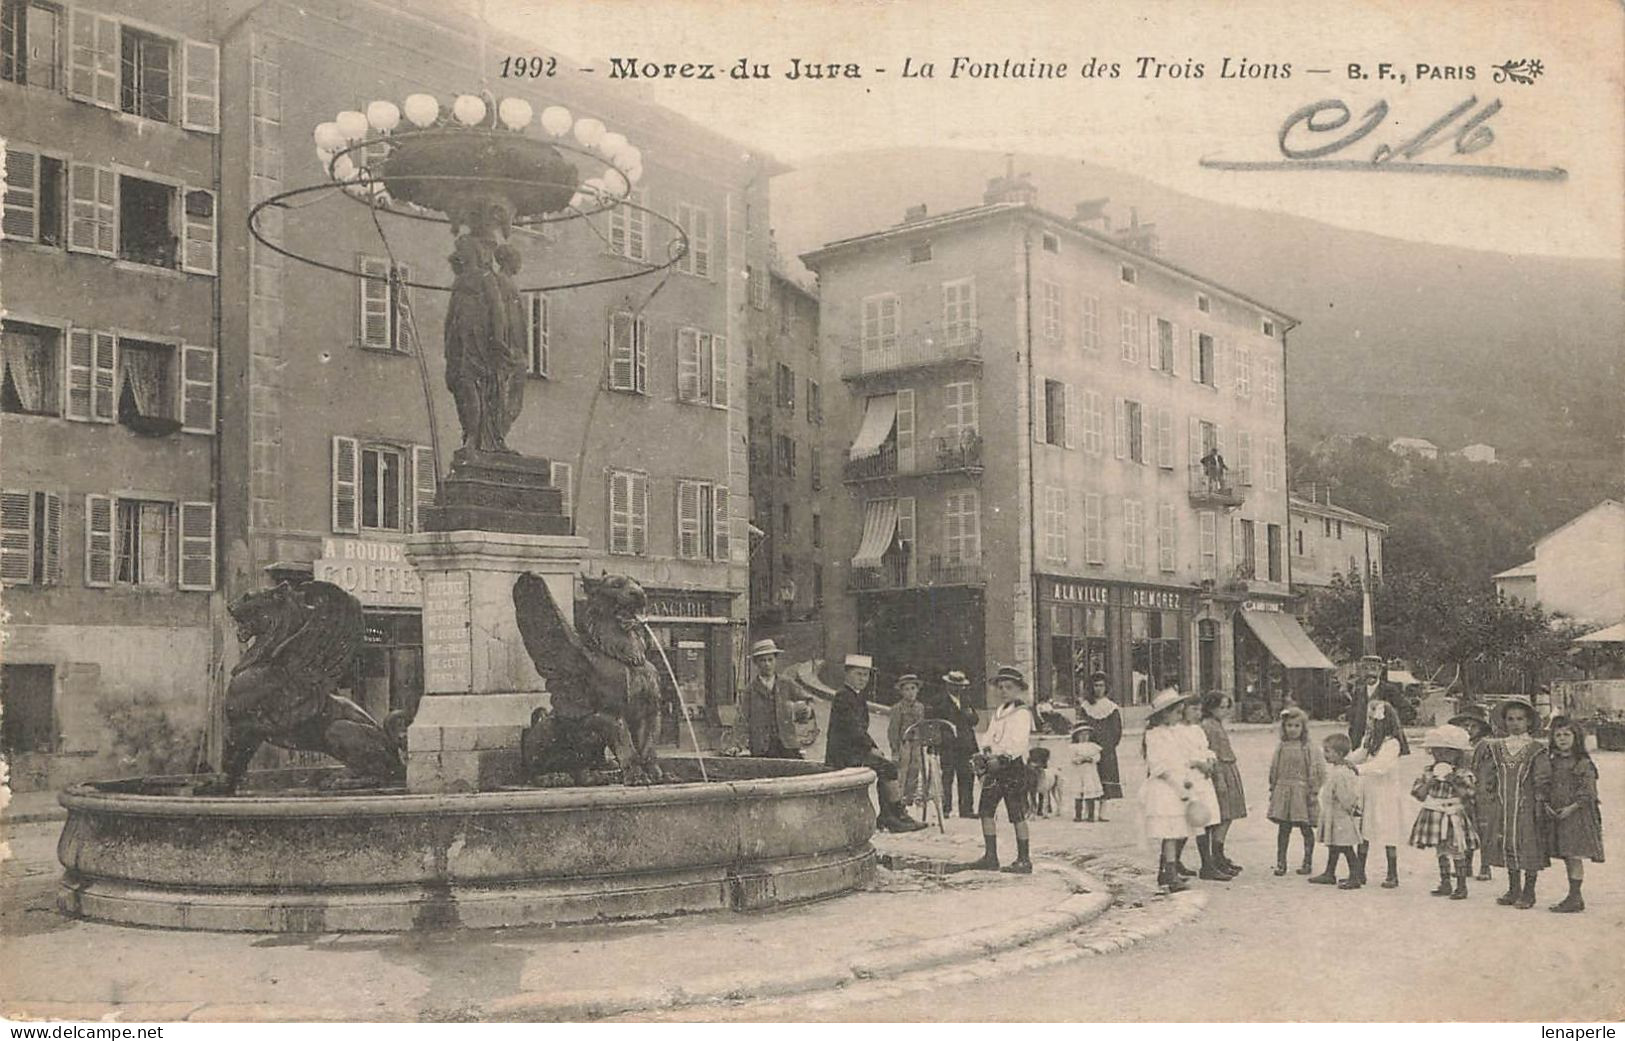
x: 225, y: 412
x: 1578, y: 570
x: 1058, y: 452
x: 1328, y: 540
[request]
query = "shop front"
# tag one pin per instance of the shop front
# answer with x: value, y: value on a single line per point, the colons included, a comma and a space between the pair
x: 1276, y: 660
x: 388, y: 671
x: 699, y: 638
x: 1137, y: 635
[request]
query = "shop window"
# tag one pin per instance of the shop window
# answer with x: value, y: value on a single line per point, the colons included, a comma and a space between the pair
x: 388, y: 671
x: 1077, y: 647
x: 1155, y: 652
x: 36, y: 186
x: 30, y: 356
x: 31, y: 44
x: 28, y: 701
x: 143, y: 533
x: 146, y: 382
x: 146, y: 73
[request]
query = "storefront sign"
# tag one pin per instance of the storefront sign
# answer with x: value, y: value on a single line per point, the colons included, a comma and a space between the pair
x: 448, y: 655
x: 686, y: 605
x: 1260, y: 605
x: 1079, y: 592
x: 1158, y: 599
x: 374, y: 572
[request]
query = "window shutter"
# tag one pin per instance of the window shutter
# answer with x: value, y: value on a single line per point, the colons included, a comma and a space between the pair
x: 688, y: 519
x: 1147, y: 437
x: 372, y: 302
x: 722, y: 525
x: 21, y: 219
x: 1165, y: 438
x: 620, y: 512
x: 1070, y: 430
x: 104, y: 386
x: 640, y: 350
x: 905, y: 431
x: 424, y: 479
x: 688, y: 365
x: 200, y: 98
x: 719, y: 372
x: 1120, y: 423
x: 53, y: 540
x: 92, y: 210
x: 620, y: 351
x: 1173, y: 349
x: 1218, y: 441
x: 640, y: 514
x: 1196, y: 441
x: 17, y: 538
x: 197, y: 389
x: 346, y: 485
x: 1196, y: 356
x: 93, y: 58
x: 1153, y: 343
x: 197, y: 218
x: 562, y: 476
x: 197, y: 545
x: 81, y: 363
x: 98, y: 540
x: 538, y: 334
x: 1221, y: 363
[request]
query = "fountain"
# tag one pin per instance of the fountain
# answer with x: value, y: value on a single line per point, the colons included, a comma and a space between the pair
x: 438, y: 821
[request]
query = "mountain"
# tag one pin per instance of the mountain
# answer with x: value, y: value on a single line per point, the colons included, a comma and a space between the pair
x: 1398, y: 338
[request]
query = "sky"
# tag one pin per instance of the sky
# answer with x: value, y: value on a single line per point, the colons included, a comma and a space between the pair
x: 1161, y: 126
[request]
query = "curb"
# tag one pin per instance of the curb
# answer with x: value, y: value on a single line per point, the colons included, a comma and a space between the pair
x: 1090, y: 899
x: 34, y: 817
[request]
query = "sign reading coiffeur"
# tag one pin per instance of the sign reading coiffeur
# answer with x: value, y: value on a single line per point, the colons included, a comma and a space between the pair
x: 375, y: 573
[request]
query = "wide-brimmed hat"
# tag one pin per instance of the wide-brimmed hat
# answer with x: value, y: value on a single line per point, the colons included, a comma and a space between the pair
x: 956, y: 679
x: 1011, y: 673
x: 1167, y: 699
x: 1499, y: 713
x: 907, y: 677
x: 1470, y: 714
x: 1448, y: 736
x: 860, y: 661
x: 763, y: 648
x: 1081, y: 728
x: 1096, y: 676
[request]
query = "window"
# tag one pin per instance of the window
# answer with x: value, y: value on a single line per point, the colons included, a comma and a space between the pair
x: 1133, y: 534
x: 785, y: 451
x: 380, y: 487
x: 1055, y: 413
x: 1162, y: 358
x: 381, y: 305
x: 702, y: 368
x: 960, y: 419
x: 35, y: 187
x: 93, y: 60
x: 1131, y: 431
x: 1326, y: 525
x: 30, y: 538
x: 882, y: 321
x: 1090, y: 323
x: 1272, y: 466
x: 143, y: 532
x: 1094, y: 422
x: 757, y: 287
x: 27, y: 710
x: 563, y: 477
x: 628, y: 512
x: 1203, y: 359
x: 1273, y: 534
x: 29, y: 357
x: 1268, y: 327
x: 815, y: 466
x: 1166, y: 534
x: 696, y: 224
x: 1165, y: 438
x: 1203, y: 304
x: 1244, y: 372
x: 1208, y: 523
x: 1094, y: 528
x: 818, y: 585
x: 146, y: 233
x: 30, y: 44
x: 383, y: 487
x: 1055, y: 525
x: 702, y: 520
x: 146, y: 381
x: 1129, y: 321
x: 1272, y: 380
x: 538, y: 334
x: 786, y: 528
x: 1051, y: 242
x: 784, y: 388
x: 1248, y: 566
x: 1297, y: 537
x: 959, y: 310
x: 92, y: 210
x: 817, y: 531
x: 962, y: 533
x: 146, y: 72
x: 815, y: 403
x: 919, y: 253
x: 1049, y: 295
x: 629, y: 227
x: 628, y: 353
x: 1127, y: 273
x: 1340, y: 530
x: 1244, y: 457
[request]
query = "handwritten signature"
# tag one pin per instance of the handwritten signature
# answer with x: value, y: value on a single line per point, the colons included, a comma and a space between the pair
x: 1312, y: 138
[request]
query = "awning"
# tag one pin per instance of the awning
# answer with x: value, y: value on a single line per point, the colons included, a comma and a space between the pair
x: 1286, y: 640
x: 879, y: 416
x: 1612, y: 634
x: 879, y: 528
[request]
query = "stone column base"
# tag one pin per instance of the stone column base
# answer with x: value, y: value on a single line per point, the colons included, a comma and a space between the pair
x: 468, y: 742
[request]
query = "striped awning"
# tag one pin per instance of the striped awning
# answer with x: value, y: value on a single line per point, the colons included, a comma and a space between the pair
x: 879, y: 529
x: 1286, y: 641
x: 879, y: 416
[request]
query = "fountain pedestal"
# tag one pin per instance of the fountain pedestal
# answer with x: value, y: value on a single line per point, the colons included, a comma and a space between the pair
x: 479, y: 685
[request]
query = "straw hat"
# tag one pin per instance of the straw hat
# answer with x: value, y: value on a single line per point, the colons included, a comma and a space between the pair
x: 1470, y: 714
x: 762, y: 648
x: 1499, y: 713
x: 860, y: 661
x: 1167, y: 699
x: 907, y: 677
x: 956, y: 679
x: 1448, y: 736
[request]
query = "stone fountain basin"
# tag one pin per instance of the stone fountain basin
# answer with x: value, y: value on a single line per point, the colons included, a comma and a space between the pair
x: 286, y: 856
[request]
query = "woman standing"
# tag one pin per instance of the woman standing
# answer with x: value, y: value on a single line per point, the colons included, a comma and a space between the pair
x: 1388, y: 813
x: 1217, y: 708
x: 1105, y: 721
x: 1520, y: 778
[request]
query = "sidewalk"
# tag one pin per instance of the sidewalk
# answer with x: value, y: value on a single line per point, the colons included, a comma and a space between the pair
x: 28, y: 807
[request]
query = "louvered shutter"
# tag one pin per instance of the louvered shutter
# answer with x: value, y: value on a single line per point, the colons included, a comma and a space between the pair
x: 640, y: 514
x: 905, y: 431
x: 346, y: 485
x: 197, y: 545
x: 93, y: 58
x: 21, y: 219
x: 719, y: 372
x: 688, y: 519
x: 1196, y: 356
x: 197, y: 389
x: 200, y: 98
x: 721, y: 525
x: 620, y: 512
x: 17, y: 538
x: 423, y: 483
x: 1196, y: 442
x: 80, y: 369
x: 372, y: 302
x: 1153, y: 345
x: 1165, y: 438
x: 92, y: 210
x: 1218, y: 441
x: 197, y: 218
x: 688, y: 365
x: 1221, y: 363
x: 1069, y: 417
x: 98, y: 540
x: 1148, y: 434
x: 1244, y: 456
x: 53, y: 540
x: 104, y: 387
x: 1120, y: 427
x: 640, y: 353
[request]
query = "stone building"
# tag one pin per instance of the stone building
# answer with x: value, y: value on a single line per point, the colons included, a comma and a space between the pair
x: 1332, y: 540
x: 1030, y: 428
x: 1578, y: 570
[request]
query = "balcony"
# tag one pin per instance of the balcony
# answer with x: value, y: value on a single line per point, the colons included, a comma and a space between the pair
x: 946, y: 455
x: 922, y: 349
x: 1221, y: 489
x: 900, y: 571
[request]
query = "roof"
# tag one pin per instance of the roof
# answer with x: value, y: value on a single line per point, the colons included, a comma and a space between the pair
x: 1321, y: 509
x: 1612, y: 634
x: 988, y: 211
x: 781, y: 275
x: 1524, y: 570
x: 1413, y: 442
x: 1605, y: 504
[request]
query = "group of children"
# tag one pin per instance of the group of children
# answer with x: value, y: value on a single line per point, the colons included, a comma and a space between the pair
x: 1193, y: 787
x: 1518, y: 801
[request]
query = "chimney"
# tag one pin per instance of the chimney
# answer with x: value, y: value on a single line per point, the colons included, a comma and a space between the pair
x: 914, y: 213
x: 1090, y: 214
x: 1142, y: 238
x: 1010, y: 187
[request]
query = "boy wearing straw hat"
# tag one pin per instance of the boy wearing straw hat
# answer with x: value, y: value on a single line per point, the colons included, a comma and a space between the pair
x: 1004, y: 751
x: 905, y: 748
x: 849, y: 743
x: 768, y: 706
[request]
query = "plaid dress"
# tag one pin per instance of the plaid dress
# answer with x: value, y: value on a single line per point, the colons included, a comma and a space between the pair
x: 1446, y: 818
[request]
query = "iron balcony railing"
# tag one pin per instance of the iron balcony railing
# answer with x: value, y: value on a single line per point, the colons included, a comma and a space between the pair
x: 916, y: 350
x: 900, y: 571
x: 1215, y: 488
x: 962, y: 454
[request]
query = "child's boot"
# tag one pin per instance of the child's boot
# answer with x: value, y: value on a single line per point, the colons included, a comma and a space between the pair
x: 1225, y: 864
x: 990, y: 857
x: 1483, y: 865
x: 1077, y: 810
x: 1526, y: 899
x: 1510, y: 897
x: 1023, y: 864
x: 1169, y: 879
x: 1463, y: 869
x: 1392, y: 881
x: 1444, y: 879
x: 1282, y: 837
x: 1179, y: 862
x: 1572, y: 903
x: 1361, y: 852
x: 1329, y: 876
x: 1090, y: 808
x: 1308, y: 864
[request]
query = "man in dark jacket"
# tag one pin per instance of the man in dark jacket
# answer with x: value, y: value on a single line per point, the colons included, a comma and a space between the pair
x: 768, y: 706
x: 849, y: 743
x: 1370, y: 684
x: 956, y: 770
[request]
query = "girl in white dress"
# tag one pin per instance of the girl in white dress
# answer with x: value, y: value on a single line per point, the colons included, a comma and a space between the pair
x: 1388, y: 812
x: 1170, y: 785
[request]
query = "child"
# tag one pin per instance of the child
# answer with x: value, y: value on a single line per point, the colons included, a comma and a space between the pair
x: 1474, y: 720
x: 1520, y: 778
x: 1004, y: 751
x: 1386, y: 813
x: 1169, y: 785
x: 1445, y: 822
x: 1340, y: 809
x: 1296, y: 774
x: 1086, y: 772
x: 1204, y: 763
x: 1216, y: 709
x: 906, y: 749
x: 1574, y: 821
